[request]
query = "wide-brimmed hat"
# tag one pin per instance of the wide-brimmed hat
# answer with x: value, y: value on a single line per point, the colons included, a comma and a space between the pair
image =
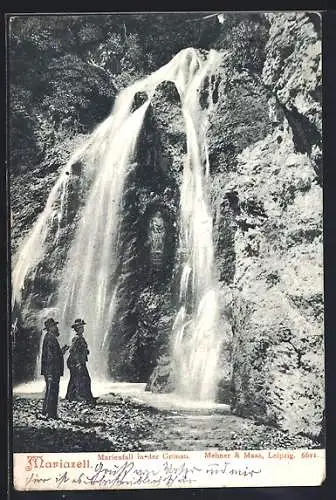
x: 78, y: 322
x: 49, y: 322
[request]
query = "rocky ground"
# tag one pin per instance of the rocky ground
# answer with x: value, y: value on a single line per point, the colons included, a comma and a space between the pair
x: 120, y: 424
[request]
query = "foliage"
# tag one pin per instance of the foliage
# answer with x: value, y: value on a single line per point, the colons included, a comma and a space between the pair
x: 65, y: 70
x: 245, y: 37
x: 22, y: 128
x: 52, y: 83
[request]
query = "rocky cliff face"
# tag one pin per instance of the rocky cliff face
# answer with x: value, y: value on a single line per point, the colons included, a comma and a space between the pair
x: 293, y: 72
x: 278, y: 355
x: 278, y: 287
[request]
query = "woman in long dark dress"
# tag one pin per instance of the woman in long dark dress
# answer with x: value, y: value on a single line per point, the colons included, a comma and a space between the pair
x: 79, y: 387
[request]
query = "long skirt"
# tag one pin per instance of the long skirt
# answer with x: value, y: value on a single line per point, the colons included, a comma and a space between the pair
x: 79, y: 387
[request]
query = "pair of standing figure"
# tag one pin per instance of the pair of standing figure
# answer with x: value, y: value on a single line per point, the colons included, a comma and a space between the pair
x: 52, y: 367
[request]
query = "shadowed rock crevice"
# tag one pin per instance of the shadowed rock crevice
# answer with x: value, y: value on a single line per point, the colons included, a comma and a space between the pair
x: 147, y: 250
x: 306, y: 138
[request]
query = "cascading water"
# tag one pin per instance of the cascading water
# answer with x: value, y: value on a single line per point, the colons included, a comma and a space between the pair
x: 32, y: 250
x: 89, y: 280
x: 197, y: 339
x: 89, y: 285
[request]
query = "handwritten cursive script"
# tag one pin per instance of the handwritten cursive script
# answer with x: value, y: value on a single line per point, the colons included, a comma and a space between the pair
x: 34, y: 479
x: 130, y: 474
x: 226, y: 468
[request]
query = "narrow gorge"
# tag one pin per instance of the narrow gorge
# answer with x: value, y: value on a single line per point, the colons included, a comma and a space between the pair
x: 185, y: 222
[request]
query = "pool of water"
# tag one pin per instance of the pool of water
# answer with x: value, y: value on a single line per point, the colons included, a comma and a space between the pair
x: 136, y: 391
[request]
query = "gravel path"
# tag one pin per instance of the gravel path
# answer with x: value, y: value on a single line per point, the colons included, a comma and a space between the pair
x: 120, y: 424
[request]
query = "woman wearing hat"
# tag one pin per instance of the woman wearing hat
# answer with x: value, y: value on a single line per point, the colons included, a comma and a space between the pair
x: 79, y: 387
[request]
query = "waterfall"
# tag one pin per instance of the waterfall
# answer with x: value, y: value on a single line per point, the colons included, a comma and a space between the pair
x: 32, y: 250
x: 197, y: 336
x: 88, y: 287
